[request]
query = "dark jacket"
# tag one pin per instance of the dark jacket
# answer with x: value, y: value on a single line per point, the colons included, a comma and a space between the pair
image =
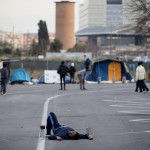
x: 62, y: 70
x: 63, y: 133
x: 4, y: 73
x: 72, y: 70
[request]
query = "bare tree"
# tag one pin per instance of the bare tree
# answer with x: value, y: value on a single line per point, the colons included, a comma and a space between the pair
x: 141, y: 9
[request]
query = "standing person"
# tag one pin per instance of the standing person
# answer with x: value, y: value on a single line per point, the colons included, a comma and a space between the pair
x: 140, y: 77
x: 62, y: 71
x: 72, y: 71
x: 87, y: 63
x: 81, y: 76
x: 61, y: 132
x: 4, y: 78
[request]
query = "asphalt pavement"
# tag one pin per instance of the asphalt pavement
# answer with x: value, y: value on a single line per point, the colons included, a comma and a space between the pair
x: 119, y: 118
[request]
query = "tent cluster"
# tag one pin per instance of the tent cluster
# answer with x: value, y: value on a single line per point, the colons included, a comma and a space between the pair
x: 22, y: 76
x: 105, y: 71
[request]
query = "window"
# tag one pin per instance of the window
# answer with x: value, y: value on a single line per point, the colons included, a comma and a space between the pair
x: 114, y: 1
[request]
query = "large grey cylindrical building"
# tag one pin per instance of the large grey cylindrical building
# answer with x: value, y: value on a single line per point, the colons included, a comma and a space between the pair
x: 65, y: 23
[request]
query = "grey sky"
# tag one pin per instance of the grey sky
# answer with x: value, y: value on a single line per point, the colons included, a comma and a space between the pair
x: 23, y: 15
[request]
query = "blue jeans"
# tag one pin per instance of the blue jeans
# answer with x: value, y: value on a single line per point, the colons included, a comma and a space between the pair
x: 52, y: 123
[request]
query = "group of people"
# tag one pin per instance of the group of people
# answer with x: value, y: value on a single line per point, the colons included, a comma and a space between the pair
x: 140, y: 79
x: 63, y: 70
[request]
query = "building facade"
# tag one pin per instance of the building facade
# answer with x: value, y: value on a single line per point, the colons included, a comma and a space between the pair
x: 22, y: 41
x: 105, y: 13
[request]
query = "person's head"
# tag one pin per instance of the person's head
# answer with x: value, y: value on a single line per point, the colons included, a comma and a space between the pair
x: 72, y: 64
x: 140, y: 63
x: 87, y: 68
x: 62, y: 62
x: 4, y: 65
x: 73, y: 135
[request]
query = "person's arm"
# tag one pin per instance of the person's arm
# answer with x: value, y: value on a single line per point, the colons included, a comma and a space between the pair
x: 144, y: 74
x: 136, y: 75
x: 53, y: 137
x: 85, y: 136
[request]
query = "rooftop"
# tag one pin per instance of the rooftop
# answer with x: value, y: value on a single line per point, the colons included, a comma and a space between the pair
x: 124, y: 30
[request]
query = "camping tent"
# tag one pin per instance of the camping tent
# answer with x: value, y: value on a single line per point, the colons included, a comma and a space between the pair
x: 19, y: 76
x: 41, y: 79
x: 109, y: 70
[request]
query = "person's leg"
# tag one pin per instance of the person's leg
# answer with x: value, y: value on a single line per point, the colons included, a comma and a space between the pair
x: 5, y: 84
x: 70, y: 78
x: 64, y: 82
x: 48, y: 126
x: 144, y: 86
x: 137, y: 86
x: 52, y: 123
x: 73, y: 78
x: 84, y: 84
x: 80, y: 81
x: 61, y: 88
x: 140, y: 86
x: 2, y: 86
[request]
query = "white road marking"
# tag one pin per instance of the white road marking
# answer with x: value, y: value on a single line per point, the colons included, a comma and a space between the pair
x: 140, y: 120
x: 41, y: 140
x: 129, y: 106
x: 135, y: 112
x: 117, y: 101
x: 133, y: 132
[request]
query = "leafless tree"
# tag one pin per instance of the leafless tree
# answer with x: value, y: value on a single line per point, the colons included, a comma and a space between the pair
x: 141, y: 9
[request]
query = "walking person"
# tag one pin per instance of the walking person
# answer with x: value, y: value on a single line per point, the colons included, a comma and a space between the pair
x: 62, y: 71
x: 63, y: 132
x: 72, y: 71
x: 4, y: 78
x: 140, y: 77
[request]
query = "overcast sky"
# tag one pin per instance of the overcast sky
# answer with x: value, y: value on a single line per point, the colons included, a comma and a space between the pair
x: 23, y: 15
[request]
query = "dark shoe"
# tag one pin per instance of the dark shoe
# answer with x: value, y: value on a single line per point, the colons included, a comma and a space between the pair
x: 84, y: 89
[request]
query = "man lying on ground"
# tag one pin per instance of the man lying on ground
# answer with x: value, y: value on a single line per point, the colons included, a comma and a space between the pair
x: 61, y: 132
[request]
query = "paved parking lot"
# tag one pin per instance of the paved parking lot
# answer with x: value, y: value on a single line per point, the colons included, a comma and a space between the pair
x: 119, y: 118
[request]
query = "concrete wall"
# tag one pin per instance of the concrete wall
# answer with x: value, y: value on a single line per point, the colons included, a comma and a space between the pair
x: 69, y: 56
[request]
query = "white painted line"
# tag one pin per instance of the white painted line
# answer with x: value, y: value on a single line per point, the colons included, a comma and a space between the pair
x: 133, y: 112
x: 117, y: 101
x: 147, y: 131
x: 140, y: 120
x: 129, y: 106
x: 133, y: 132
x: 41, y: 141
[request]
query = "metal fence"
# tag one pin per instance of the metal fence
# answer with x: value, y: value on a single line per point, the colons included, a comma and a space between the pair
x: 37, y: 66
